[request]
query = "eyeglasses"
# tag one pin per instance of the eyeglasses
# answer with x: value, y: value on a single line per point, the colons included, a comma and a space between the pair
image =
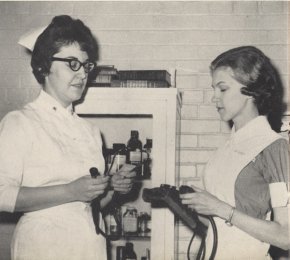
x: 75, y: 64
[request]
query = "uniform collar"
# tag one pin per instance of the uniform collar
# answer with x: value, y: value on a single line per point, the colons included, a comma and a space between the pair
x: 47, y: 102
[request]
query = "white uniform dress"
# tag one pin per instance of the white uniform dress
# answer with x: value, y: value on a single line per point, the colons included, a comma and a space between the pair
x: 41, y: 145
x: 225, y: 173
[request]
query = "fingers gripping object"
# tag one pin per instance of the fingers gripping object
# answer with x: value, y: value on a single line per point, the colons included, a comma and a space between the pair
x: 168, y: 196
x: 96, y: 210
x: 95, y: 202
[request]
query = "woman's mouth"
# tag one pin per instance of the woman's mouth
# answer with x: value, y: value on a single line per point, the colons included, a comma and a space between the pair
x: 80, y: 85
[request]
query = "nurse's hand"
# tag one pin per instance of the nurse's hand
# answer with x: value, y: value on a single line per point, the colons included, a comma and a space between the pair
x: 87, y: 188
x: 123, y: 180
x: 204, y: 203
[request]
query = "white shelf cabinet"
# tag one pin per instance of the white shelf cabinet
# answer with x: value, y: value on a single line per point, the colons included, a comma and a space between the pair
x: 162, y: 106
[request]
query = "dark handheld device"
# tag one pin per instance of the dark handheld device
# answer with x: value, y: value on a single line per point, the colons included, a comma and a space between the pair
x: 95, y: 202
x: 94, y: 172
x: 96, y: 210
x: 169, y: 196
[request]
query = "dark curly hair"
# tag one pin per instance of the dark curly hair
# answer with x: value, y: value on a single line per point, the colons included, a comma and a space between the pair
x: 62, y: 31
x: 253, y: 69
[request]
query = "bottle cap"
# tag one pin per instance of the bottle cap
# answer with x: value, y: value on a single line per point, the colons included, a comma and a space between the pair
x: 118, y: 147
x: 134, y: 133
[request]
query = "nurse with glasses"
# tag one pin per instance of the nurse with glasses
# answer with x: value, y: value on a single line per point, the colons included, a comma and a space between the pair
x: 47, y: 151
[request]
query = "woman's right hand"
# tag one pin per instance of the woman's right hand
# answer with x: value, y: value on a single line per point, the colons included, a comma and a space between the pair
x: 87, y: 188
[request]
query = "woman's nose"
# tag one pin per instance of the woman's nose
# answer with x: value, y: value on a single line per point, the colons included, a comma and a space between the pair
x: 215, y: 97
x: 81, y: 73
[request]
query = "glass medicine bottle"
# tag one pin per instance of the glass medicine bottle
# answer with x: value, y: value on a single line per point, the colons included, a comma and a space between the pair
x: 129, y: 253
x: 134, y: 153
x: 130, y: 220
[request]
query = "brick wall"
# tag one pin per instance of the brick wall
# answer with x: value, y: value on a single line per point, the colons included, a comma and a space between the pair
x: 184, y: 36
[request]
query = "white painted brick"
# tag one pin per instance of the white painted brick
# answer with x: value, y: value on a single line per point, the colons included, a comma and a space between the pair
x: 7, y: 37
x: 129, y: 7
x: 188, y: 111
x: 8, y: 22
x: 200, y: 126
x: 10, y: 66
x: 36, y: 20
x: 209, y: 52
x: 187, y: 7
x: 198, y: 156
x: 3, y: 95
x: 196, y: 7
x: 204, y: 80
x: 272, y: 22
x: 243, y: 37
x: 188, y: 171
x: 194, y: 96
x: 277, y: 36
x: 84, y: 8
x: 41, y: 7
x: 201, y: 66
x: 221, y: 7
x: 189, y: 81
x: 205, y: 112
x: 269, y: 7
x: 188, y: 141
x: 277, y: 52
x: 9, y: 80
x: 127, y: 52
x: 17, y: 96
x: 245, y: 7
x: 9, y: 51
x: 119, y: 21
x: 66, y: 7
x: 211, y: 141
x: 15, y: 7
x: 174, y: 52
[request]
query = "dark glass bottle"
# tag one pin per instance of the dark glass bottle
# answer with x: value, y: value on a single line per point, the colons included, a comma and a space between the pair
x: 147, y: 160
x: 129, y: 253
x: 134, y: 152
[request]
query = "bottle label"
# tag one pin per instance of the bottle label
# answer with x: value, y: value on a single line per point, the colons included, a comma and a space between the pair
x: 135, y: 156
x: 119, y: 161
x: 130, y: 224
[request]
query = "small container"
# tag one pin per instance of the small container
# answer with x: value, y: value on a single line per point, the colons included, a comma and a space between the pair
x: 130, y: 220
x: 142, y: 222
x: 134, y: 152
x: 117, y: 157
x: 129, y: 253
x: 120, y: 252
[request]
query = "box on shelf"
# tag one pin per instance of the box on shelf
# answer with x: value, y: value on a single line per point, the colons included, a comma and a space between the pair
x: 108, y: 76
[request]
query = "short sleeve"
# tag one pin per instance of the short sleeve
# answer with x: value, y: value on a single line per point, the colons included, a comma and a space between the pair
x: 13, y: 147
x: 276, y: 167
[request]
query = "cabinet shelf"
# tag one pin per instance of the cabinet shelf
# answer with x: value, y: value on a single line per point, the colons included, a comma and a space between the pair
x: 133, y: 237
x: 156, y: 114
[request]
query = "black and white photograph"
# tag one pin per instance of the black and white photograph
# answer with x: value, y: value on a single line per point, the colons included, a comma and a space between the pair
x: 144, y: 130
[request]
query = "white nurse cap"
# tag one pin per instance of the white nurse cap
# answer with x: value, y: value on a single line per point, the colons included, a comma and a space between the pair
x: 28, y: 39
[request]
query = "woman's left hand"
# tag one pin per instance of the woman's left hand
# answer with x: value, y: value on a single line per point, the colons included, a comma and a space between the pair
x: 123, y: 180
x: 204, y: 203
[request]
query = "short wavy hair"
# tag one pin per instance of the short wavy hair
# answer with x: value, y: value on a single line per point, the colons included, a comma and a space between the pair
x: 253, y: 69
x: 62, y: 31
